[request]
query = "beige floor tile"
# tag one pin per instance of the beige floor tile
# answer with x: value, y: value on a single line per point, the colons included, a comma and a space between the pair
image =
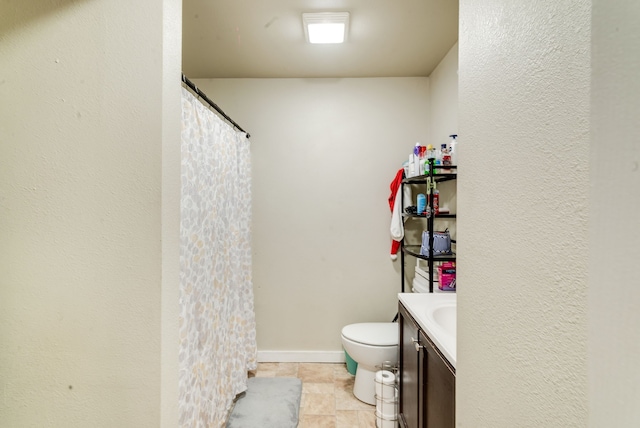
x: 367, y: 419
x: 266, y: 370
x: 287, y: 370
x: 344, y: 384
x: 316, y: 372
x: 345, y: 400
x: 347, y: 419
x: 318, y: 404
x: 271, y: 367
x: 318, y: 388
x: 316, y: 421
x: 340, y: 372
x: 327, y: 394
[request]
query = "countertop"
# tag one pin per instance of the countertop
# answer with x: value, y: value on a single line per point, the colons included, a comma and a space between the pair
x: 422, y: 307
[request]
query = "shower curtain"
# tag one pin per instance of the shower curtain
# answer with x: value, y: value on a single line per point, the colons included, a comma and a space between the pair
x: 217, y: 320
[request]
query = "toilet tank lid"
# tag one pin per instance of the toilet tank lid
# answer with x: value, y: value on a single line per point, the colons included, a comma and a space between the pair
x: 372, y: 333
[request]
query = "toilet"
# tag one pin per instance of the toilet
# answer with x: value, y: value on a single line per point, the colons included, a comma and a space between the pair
x: 370, y: 344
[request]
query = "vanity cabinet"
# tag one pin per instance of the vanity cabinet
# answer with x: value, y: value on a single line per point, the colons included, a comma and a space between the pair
x: 426, y: 379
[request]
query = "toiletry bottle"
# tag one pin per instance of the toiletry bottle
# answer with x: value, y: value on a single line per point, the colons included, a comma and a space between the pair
x: 439, y: 156
x: 422, y: 203
x: 416, y: 158
x: 452, y: 149
x: 436, y: 201
x: 431, y: 153
x: 411, y: 164
x: 424, y: 166
x: 424, y: 161
x: 446, y: 158
x: 446, y: 155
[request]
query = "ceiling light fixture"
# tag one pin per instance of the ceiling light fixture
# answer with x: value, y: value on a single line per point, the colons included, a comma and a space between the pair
x: 326, y: 27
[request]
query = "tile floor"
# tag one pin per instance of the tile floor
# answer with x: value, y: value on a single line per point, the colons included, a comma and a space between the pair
x: 327, y: 395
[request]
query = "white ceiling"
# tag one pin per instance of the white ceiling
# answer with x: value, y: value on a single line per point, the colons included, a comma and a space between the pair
x: 265, y: 38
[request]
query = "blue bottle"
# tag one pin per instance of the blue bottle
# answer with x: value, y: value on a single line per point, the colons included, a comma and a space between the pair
x: 422, y: 203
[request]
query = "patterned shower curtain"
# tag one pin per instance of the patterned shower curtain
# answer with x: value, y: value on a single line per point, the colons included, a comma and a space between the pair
x: 217, y: 320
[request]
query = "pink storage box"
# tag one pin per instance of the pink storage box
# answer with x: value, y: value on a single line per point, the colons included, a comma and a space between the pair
x: 447, y: 276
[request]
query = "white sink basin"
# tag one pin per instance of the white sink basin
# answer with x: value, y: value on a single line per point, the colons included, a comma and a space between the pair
x: 436, y: 315
x: 445, y: 317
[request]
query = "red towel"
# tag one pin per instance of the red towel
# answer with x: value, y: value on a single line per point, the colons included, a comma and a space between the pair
x: 395, y: 185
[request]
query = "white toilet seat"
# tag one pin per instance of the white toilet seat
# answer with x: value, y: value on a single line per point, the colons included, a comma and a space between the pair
x: 372, y: 333
x: 370, y: 345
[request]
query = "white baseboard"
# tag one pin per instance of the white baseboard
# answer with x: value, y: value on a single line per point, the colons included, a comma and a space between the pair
x: 301, y: 357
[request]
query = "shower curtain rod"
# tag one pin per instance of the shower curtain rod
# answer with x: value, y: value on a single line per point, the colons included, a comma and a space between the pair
x: 202, y: 95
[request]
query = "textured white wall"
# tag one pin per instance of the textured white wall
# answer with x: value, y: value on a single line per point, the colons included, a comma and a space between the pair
x: 614, y: 295
x: 324, y: 152
x: 170, y: 209
x: 81, y: 163
x: 443, y: 99
x: 443, y: 121
x: 523, y: 195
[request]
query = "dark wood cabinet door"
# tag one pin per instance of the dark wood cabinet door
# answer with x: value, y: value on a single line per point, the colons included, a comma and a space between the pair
x: 440, y: 397
x: 409, y: 382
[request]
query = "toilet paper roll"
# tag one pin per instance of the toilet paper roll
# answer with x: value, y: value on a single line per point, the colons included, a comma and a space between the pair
x: 385, y: 384
x: 387, y: 409
x: 383, y: 422
x: 385, y: 377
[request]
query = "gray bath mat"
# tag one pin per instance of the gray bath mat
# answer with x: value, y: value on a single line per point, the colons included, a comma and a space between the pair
x: 269, y: 402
